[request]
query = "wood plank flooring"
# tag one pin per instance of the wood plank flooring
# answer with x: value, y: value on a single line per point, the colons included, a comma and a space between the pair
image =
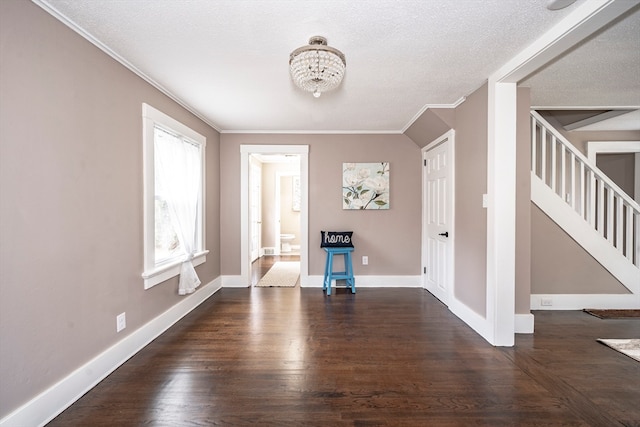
x: 397, y: 357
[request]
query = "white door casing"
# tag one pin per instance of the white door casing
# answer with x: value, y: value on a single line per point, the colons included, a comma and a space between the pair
x: 255, y: 208
x: 438, y: 218
x: 245, y: 256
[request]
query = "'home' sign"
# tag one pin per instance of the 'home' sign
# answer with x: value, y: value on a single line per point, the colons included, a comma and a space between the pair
x: 336, y: 239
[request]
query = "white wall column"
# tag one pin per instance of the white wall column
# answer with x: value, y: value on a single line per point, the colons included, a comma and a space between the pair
x: 501, y: 212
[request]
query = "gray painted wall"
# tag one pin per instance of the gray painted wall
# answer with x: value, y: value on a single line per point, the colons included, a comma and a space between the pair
x: 71, y: 202
x: 390, y: 238
x: 560, y: 266
x: 471, y: 217
x: 620, y: 167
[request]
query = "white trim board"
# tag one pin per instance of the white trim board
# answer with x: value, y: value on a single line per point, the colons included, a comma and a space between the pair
x: 51, y: 402
x: 524, y: 323
x: 234, y: 281
x: 501, y: 212
x: 582, y: 301
x: 475, y: 321
x: 603, y: 147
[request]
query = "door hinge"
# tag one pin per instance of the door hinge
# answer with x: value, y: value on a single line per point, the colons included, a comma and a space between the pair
x: 425, y: 162
x: 424, y: 270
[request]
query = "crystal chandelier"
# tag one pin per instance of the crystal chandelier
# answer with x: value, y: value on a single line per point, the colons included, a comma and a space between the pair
x: 317, y: 67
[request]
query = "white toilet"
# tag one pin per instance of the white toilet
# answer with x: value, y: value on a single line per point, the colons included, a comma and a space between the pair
x: 285, y: 242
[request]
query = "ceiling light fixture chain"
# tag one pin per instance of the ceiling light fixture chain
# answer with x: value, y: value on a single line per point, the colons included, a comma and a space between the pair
x: 317, y: 67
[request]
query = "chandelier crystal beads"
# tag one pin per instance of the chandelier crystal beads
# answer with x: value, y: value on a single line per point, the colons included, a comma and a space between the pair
x: 317, y: 67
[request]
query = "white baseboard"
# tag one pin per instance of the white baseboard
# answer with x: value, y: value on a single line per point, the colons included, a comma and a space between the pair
x: 475, y: 321
x: 50, y: 403
x: 524, y: 323
x: 371, y: 282
x: 361, y: 281
x: 581, y: 301
x: 234, y: 282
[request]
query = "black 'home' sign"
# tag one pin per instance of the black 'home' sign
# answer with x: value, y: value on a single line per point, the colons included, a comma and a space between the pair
x: 336, y: 239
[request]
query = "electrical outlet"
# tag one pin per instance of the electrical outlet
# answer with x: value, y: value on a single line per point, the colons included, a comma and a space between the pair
x: 546, y: 302
x: 121, y: 321
x: 365, y: 260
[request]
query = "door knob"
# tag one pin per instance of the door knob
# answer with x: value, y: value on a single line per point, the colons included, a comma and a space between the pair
x: 445, y: 234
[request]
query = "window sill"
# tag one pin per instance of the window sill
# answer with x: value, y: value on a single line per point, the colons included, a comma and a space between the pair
x: 160, y: 274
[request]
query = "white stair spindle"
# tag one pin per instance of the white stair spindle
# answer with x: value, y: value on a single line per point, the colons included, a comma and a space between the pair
x: 628, y: 233
x: 543, y: 155
x: 563, y: 172
x: 572, y: 180
x: 619, y: 223
x: 592, y: 200
x: 600, y: 206
x: 609, y: 214
x: 554, y: 164
x: 583, y: 194
x: 534, y: 145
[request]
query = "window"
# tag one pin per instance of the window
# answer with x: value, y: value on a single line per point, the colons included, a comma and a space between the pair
x: 174, y: 172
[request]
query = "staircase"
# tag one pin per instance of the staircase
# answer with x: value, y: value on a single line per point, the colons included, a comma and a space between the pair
x: 583, y: 201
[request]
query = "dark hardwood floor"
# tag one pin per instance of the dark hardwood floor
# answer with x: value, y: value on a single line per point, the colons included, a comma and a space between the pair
x: 294, y: 357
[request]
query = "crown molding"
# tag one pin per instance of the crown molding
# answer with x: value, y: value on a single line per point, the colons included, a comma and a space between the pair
x: 432, y: 106
x: 316, y: 132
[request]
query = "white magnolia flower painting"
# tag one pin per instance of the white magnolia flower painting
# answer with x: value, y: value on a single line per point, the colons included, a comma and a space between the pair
x: 365, y: 185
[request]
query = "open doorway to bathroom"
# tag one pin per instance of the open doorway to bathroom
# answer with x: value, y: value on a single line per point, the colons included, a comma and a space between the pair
x: 276, y: 210
x: 275, y: 215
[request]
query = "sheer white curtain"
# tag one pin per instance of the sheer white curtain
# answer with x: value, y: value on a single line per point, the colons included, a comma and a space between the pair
x: 178, y: 179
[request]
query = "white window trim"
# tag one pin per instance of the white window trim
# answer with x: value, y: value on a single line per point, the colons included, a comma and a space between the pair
x: 154, y: 274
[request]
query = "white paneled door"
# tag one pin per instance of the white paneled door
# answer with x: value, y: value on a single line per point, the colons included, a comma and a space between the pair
x: 437, y: 218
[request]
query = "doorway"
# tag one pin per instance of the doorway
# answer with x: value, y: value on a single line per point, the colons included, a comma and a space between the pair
x: 255, y: 208
x: 438, y: 217
x: 247, y: 219
x: 276, y: 214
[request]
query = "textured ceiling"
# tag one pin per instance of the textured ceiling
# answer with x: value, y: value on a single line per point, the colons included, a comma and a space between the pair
x: 603, y: 70
x: 227, y: 60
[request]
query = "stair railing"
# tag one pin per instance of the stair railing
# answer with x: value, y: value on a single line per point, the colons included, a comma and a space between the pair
x: 585, y: 188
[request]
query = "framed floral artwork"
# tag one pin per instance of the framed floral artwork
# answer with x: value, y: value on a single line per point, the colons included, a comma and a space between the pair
x: 365, y: 185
